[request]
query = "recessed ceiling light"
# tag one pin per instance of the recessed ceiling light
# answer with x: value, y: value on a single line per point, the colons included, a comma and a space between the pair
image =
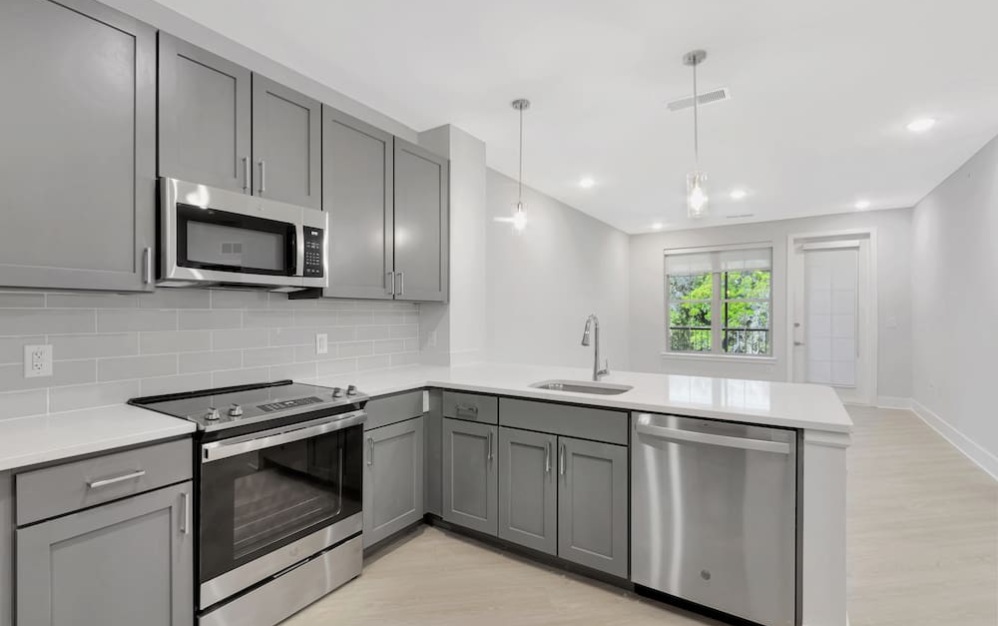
x: 738, y: 194
x: 587, y: 183
x: 921, y: 125
x: 862, y: 205
x: 657, y: 226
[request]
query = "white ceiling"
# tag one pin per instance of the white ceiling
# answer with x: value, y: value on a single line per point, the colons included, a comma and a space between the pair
x: 821, y: 90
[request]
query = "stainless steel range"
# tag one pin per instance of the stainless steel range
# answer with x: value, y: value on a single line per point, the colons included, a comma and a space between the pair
x: 279, y: 473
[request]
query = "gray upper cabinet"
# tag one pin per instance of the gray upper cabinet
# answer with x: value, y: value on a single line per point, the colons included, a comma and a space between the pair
x: 357, y: 192
x: 421, y: 223
x: 393, y: 479
x: 528, y: 489
x: 470, y: 475
x: 287, y: 140
x: 78, y: 154
x: 128, y: 562
x: 592, y: 505
x: 204, y: 117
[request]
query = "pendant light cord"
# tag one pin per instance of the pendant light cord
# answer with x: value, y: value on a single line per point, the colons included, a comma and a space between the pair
x: 520, y: 174
x: 696, y: 118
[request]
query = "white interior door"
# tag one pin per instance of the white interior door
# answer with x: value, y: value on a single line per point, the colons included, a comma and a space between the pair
x: 833, y: 342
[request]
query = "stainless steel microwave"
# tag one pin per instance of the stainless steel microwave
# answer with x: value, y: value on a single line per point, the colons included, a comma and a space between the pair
x: 212, y: 236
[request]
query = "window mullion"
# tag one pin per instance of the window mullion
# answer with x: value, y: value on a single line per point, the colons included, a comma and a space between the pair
x: 715, y: 314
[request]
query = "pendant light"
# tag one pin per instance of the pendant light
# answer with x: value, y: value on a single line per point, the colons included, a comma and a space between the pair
x: 696, y: 192
x: 519, y: 214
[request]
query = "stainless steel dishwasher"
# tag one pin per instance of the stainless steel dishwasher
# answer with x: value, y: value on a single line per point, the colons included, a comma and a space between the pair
x: 714, y: 515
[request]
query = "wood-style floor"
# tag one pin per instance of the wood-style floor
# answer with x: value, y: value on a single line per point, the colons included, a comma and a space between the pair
x: 923, y: 550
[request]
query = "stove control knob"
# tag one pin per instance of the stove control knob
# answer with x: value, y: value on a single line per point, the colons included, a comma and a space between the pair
x: 212, y: 415
x: 235, y: 410
x: 337, y: 392
x: 351, y: 390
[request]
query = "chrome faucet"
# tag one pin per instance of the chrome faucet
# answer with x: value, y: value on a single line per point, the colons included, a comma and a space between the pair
x: 592, y: 324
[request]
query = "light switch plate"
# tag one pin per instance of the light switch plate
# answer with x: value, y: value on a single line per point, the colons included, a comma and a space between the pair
x: 37, y: 361
x: 322, y: 343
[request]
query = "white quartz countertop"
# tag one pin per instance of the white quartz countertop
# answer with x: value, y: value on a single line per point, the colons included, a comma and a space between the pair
x: 811, y: 407
x: 44, y: 438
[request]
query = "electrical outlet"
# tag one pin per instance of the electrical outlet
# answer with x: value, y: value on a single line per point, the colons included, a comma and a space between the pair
x: 321, y: 343
x: 37, y: 361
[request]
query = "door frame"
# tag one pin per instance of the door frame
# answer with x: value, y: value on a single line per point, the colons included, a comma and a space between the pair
x: 869, y: 320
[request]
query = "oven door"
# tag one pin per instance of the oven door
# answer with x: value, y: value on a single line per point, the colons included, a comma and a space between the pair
x: 216, y: 236
x: 270, y: 499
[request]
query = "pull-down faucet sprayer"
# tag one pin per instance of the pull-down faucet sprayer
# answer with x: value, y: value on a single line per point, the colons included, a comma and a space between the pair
x: 592, y: 324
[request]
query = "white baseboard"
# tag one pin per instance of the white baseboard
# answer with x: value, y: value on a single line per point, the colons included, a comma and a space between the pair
x: 891, y: 402
x: 981, y: 457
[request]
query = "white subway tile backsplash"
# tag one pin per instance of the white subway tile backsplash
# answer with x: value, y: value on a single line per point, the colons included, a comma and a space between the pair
x: 132, y: 320
x: 111, y: 347
x: 126, y: 367
x: 164, y: 342
x: 45, y: 321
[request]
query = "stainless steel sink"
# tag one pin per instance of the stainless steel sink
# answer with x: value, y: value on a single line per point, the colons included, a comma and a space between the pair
x: 583, y: 386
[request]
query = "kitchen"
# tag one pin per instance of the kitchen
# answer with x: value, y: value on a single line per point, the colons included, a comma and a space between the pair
x: 269, y: 353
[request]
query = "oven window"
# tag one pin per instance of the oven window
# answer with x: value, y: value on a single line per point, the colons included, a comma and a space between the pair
x: 229, y: 242
x: 256, y: 502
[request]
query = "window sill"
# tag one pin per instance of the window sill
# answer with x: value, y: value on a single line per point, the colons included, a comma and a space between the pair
x: 720, y: 358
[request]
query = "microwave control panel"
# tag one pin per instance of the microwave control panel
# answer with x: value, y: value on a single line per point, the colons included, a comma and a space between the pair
x: 314, y: 253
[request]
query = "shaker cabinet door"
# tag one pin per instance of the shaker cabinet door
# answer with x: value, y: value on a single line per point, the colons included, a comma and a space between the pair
x: 421, y: 223
x: 393, y: 479
x: 77, y: 146
x: 528, y: 489
x: 128, y: 562
x: 470, y: 476
x: 357, y: 178
x: 592, y: 505
x: 287, y: 144
x: 204, y: 117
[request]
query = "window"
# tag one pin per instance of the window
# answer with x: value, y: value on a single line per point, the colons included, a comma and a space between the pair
x: 719, y: 301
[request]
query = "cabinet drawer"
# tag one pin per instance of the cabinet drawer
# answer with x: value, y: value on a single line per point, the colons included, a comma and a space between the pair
x: 53, y: 491
x: 565, y: 419
x: 393, y: 409
x: 472, y: 407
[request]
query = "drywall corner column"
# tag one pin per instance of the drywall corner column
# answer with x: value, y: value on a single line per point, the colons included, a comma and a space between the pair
x: 454, y: 333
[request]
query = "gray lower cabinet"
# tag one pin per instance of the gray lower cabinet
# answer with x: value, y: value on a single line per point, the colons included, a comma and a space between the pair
x: 593, y: 505
x: 204, y: 117
x: 287, y: 144
x: 528, y: 489
x: 6, y: 548
x: 470, y: 475
x: 393, y: 479
x: 78, y: 148
x: 127, y: 562
x: 422, y: 208
x: 357, y: 192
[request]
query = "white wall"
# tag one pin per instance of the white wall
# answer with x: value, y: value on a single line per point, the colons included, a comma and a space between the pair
x: 955, y: 305
x: 544, y: 281
x: 647, y: 297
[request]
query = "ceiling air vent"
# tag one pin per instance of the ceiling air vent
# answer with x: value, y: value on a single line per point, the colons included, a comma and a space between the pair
x: 710, y: 97
x: 740, y: 216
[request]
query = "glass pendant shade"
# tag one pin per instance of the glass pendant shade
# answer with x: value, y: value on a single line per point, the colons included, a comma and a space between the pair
x: 519, y: 217
x: 696, y: 195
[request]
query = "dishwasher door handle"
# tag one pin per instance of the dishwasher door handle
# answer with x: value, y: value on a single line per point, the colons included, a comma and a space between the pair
x: 690, y: 436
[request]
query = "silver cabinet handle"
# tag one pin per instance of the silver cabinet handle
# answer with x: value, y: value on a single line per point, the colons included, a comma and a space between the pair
x: 561, y: 460
x: 489, y: 458
x: 401, y: 291
x: 185, y: 513
x: 547, y: 458
x: 147, y: 266
x: 107, y: 482
x: 798, y: 343
x: 263, y: 176
x: 246, y: 173
x: 469, y: 409
x: 726, y: 441
x: 370, y: 450
x: 390, y: 282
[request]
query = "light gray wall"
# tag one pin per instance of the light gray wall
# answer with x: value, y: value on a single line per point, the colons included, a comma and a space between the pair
x: 544, y: 281
x: 647, y: 295
x: 183, y: 27
x: 955, y: 304
x: 108, y: 348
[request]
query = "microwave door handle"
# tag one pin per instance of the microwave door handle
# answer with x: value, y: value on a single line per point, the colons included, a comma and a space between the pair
x: 298, y: 251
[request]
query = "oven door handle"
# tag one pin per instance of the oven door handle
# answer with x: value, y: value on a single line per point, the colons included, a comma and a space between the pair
x: 269, y: 438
